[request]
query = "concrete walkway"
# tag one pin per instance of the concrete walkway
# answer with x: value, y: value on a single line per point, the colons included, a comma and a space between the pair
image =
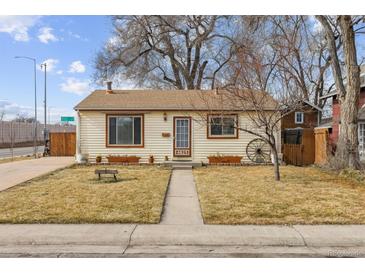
x: 129, y: 240
x: 182, y: 204
x: 14, y: 173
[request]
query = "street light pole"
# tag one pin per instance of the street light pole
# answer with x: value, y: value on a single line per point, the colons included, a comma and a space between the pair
x: 35, y: 101
x: 45, y: 109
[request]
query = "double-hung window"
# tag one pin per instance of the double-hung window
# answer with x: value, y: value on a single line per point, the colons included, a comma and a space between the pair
x: 222, y: 126
x: 299, y: 117
x: 125, y: 130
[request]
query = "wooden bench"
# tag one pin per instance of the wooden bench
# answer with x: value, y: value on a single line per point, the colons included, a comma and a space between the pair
x: 107, y: 171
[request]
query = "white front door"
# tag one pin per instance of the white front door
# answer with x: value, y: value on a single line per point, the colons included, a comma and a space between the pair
x: 182, y: 137
x: 361, y: 130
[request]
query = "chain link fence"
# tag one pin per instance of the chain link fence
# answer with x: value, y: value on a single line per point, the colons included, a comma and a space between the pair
x: 20, y: 134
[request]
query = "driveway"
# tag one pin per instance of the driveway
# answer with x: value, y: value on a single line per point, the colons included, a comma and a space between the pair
x: 14, y: 173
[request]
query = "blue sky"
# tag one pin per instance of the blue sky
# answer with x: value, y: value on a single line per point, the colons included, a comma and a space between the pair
x: 68, y: 43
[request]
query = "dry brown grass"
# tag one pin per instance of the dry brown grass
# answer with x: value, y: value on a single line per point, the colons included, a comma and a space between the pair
x: 75, y: 195
x: 249, y: 195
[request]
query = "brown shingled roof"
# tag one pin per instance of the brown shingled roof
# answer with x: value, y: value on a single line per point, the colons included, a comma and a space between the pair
x: 164, y: 100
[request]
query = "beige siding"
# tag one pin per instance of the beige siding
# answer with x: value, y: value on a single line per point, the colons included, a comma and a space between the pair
x: 93, y: 138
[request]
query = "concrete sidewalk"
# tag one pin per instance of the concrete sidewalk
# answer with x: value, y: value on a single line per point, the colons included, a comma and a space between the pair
x: 14, y: 173
x: 114, y: 240
x: 182, y: 204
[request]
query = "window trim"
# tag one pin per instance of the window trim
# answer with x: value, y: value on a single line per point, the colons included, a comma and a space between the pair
x: 295, y: 117
x: 121, y: 115
x: 233, y: 136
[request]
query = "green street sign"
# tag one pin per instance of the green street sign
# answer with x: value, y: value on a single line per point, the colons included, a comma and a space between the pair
x: 67, y: 119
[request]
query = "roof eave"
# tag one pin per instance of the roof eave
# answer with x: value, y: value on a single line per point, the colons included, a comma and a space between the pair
x: 313, y: 105
x: 164, y: 109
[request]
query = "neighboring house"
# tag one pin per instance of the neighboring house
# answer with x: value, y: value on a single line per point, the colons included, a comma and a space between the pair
x: 335, y: 125
x: 307, y: 116
x: 163, y: 124
x: 298, y: 134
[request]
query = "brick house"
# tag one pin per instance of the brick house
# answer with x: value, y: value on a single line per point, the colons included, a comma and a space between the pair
x: 335, y: 125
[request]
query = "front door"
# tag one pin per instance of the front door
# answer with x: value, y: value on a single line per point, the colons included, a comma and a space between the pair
x: 361, y: 130
x: 182, y: 136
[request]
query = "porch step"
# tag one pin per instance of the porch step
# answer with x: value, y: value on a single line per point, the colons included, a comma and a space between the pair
x: 184, y: 167
x: 182, y: 164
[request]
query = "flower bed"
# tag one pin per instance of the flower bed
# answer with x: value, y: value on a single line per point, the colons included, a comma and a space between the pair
x: 224, y: 159
x: 123, y: 159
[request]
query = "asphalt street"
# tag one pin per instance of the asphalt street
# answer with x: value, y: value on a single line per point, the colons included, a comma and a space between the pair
x: 19, y: 151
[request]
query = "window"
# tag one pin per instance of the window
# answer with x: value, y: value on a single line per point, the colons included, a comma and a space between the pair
x: 222, y: 126
x: 299, y: 117
x: 361, y: 130
x: 125, y: 130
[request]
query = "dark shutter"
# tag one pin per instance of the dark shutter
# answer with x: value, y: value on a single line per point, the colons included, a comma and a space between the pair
x: 137, y: 131
x: 112, y: 130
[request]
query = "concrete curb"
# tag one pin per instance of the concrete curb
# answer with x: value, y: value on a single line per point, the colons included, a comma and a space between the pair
x: 131, y: 240
x: 215, y: 235
x: 70, y: 251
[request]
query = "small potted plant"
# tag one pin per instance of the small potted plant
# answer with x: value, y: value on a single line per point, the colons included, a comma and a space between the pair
x: 98, y: 159
x: 166, y: 158
x: 151, y: 159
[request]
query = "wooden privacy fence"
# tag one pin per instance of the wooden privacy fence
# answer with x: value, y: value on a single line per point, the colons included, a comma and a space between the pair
x: 321, y: 145
x: 62, y: 143
x: 302, y: 153
x: 293, y: 154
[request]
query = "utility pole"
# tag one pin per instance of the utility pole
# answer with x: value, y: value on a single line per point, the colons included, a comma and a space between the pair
x: 45, y: 133
x: 35, y: 102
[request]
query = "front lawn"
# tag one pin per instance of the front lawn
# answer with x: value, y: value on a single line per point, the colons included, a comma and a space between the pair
x: 306, y: 195
x: 75, y: 195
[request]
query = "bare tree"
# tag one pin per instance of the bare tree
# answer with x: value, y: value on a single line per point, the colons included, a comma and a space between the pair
x: 179, y: 52
x: 23, y: 117
x: 265, y: 80
x: 259, y: 94
x: 262, y: 111
x: 303, y: 63
x: 341, y: 29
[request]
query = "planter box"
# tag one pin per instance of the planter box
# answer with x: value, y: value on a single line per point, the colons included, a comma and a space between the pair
x: 123, y: 159
x: 224, y: 159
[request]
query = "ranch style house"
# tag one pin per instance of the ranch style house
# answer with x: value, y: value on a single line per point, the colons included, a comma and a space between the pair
x: 169, y: 125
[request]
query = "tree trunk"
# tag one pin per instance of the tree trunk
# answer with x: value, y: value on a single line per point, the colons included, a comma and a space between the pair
x: 276, y: 161
x: 347, y: 147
